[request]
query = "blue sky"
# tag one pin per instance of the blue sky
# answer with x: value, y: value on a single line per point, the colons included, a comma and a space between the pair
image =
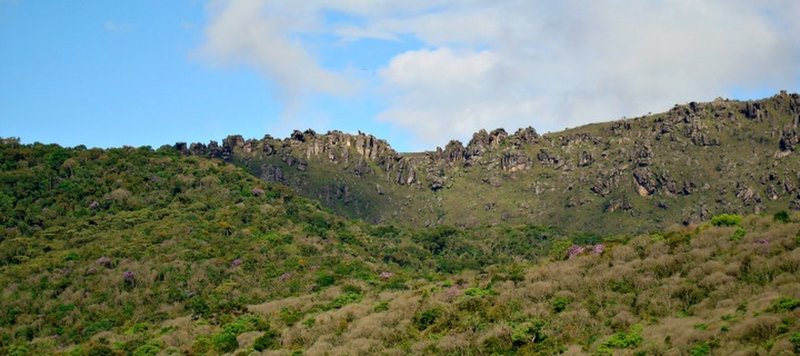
x: 112, y: 73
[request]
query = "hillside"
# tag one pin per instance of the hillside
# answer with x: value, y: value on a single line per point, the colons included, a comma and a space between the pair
x: 681, y: 166
x: 136, y: 251
x: 97, y: 243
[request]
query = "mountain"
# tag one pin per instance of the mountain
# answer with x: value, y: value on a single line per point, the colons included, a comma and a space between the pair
x: 513, y: 244
x: 681, y: 166
x: 132, y: 251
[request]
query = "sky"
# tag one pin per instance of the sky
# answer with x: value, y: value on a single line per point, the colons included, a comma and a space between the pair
x: 416, y: 73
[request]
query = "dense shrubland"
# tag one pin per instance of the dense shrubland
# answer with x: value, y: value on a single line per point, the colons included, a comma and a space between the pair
x: 136, y: 251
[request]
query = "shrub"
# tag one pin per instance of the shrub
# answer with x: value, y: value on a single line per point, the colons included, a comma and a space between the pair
x: 325, y: 280
x: 198, y: 306
x: 289, y: 316
x: 623, y: 340
x: 381, y: 307
x: 100, y: 350
x: 786, y: 304
x: 700, y: 349
x: 781, y: 216
x: 269, y: 340
x: 726, y: 220
x: 225, y: 342
x: 560, y: 303
x: 147, y: 350
x: 528, y: 332
x: 558, y: 251
x: 795, y: 339
x: 738, y: 234
x: 245, y: 323
x: 342, y: 300
x: 426, y: 318
x: 478, y: 292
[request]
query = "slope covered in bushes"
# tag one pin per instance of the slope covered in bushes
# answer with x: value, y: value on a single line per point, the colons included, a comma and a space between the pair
x: 136, y: 251
x: 97, y: 243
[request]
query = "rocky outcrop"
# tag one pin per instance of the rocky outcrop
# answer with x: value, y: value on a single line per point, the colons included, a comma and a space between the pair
x: 482, y: 142
x: 789, y: 140
x: 643, y: 154
x: 454, y: 153
x: 646, y: 184
x: 585, y: 159
x: 606, y: 182
x: 548, y: 159
x: 754, y: 110
x: 525, y: 136
x: 182, y: 148
x: 696, y: 160
x: 405, y: 174
x: 748, y: 195
x: 272, y: 173
x: 514, y: 161
x: 619, y: 127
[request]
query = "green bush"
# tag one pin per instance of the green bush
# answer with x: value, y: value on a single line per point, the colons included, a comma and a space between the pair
x: 269, y: 340
x: 147, y: 350
x: 559, y: 303
x: 342, y: 300
x: 558, y: 250
x: 289, y: 316
x: 700, y: 349
x: 795, y: 339
x: 623, y: 340
x: 738, y: 234
x: 426, y: 318
x: 478, y: 292
x: 100, y: 350
x: 786, y: 304
x: 325, y: 280
x: 381, y: 307
x: 781, y: 216
x: 726, y: 220
x: 528, y: 332
x: 224, y: 342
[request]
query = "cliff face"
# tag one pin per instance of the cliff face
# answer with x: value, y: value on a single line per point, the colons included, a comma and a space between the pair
x: 686, y: 164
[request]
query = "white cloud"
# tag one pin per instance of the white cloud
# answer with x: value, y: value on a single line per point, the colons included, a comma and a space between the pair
x: 513, y: 63
x: 263, y: 34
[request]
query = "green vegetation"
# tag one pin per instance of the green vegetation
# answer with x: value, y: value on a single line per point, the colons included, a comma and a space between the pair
x: 726, y: 220
x: 787, y: 304
x: 622, y: 340
x: 143, y: 252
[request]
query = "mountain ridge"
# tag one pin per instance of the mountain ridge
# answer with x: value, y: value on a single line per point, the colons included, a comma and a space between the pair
x: 602, y: 169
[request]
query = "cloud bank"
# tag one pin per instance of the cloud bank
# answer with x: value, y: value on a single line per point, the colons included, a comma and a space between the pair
x: 487, y: 64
